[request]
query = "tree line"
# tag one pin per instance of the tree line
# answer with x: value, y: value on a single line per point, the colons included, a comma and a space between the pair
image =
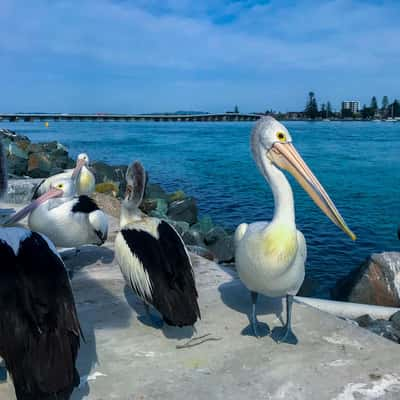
x: 386, y: 110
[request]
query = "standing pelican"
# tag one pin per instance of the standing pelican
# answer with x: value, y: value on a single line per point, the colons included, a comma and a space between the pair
x: 270, y: 257
x: 153, y: 258
x: 83, y: 176
x: 39, y: 326
x: 67, y: 220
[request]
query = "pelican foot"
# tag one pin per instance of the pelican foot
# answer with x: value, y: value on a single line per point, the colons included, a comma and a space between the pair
x: 259, y: 330
x: 284, y: 335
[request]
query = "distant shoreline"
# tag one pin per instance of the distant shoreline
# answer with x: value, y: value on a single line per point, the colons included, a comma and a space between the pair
x: 203, y: 117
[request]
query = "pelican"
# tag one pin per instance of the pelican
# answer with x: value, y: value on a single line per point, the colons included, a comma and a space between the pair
x: 83, y: 176
x: 153, y: 258
x: 67, y: 220
x: 39, y: 327
x: 270, y: 257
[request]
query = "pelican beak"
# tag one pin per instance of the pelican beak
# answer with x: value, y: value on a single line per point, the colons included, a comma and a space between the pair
x: 79, y: 164
x: 30, y: 207
x: 285, y: 156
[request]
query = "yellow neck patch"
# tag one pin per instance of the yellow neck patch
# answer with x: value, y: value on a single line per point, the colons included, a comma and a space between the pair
x: 280, y: 245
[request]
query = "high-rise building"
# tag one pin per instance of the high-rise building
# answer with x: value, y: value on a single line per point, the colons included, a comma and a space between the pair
x: 352, y: 105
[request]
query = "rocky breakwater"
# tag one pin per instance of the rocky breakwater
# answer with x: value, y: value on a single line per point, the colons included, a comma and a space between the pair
x: 29, y: 163
x: 199, y: 234
x: 35, y: 160
x: 376, y: 281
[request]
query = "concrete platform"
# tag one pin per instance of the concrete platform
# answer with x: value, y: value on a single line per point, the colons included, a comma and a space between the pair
x: 124, y: 358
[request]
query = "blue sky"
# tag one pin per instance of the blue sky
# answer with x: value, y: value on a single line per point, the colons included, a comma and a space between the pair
x: 148, y: 55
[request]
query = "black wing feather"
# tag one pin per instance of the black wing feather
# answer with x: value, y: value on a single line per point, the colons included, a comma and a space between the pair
x: 36, y: 193
x: 85, y: 205
x: 39, y: 327
x: 174, y: 292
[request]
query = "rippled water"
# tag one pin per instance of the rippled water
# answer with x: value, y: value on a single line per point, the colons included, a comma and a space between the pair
x: 358, y: 163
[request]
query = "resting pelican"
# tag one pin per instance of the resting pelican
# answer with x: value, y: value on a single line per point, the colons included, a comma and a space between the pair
x: 153, y: 258
x: 270, y: 256
x: 83, y: 176
x: 39, y: 326
x: 67, y: 220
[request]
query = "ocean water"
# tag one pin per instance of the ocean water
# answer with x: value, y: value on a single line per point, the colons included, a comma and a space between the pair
x: 358, y: 163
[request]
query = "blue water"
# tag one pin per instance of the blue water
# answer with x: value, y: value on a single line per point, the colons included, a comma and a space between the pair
x: 357, y: 162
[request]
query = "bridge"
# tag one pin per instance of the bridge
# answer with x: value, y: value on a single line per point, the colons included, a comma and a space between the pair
x: 130, y: 117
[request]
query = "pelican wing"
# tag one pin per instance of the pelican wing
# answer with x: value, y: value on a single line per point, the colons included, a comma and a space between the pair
x: 39, y: 327
x: 167, y: 264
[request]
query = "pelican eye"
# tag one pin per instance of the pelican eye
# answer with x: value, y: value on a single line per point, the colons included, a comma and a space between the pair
x: 60, y: 186
x: 281, y: 136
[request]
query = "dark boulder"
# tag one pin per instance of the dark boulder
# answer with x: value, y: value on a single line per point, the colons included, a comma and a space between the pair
x: 17, y: 165
x: 395, y: 319
x: 220, y: 243
x: 183, y: 210
x: 381, y: 327
x: 155, y: 191
x: 39, y: 165
x: 376, y: 281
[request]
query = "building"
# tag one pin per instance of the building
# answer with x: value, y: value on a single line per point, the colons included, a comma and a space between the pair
x: 351, y: 105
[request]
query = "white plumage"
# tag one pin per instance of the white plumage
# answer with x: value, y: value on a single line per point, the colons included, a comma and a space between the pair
x: 270, y: 257
x: 85, y: 181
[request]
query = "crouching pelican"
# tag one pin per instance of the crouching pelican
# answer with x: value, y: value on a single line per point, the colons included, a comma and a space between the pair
x: 83, y: 176
x: 39, y: 326
x: 67, y: 220
x: 270, y: 256
x: 153, y: 258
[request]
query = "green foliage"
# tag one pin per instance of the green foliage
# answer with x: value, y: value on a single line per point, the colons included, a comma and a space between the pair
x: 374, y: 104
x: 311, y: 110
x: 328, y: 109
x: 385, y: 103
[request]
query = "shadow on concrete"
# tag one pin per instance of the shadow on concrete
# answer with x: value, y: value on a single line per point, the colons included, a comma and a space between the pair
x: 98, y: 308
x: 156, y: 322
x: 237, y: 297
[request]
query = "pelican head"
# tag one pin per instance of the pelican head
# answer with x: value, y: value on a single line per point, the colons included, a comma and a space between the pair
x: 59, y: 188
x: 135, y: 185
x: 272, y: 147
x: 81, y: 161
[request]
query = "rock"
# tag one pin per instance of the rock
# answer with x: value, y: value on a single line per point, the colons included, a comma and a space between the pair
x: 14, y: 150
x: 201, y: 251
x: 380, y: 327
x: 364, y: 320
x: 155, y: 191
x: 39, y: 165
x: 148, y: 205
x: 376, y: 281
x: 7, y: 134
x: 110, y: 173
x: 204, y: 225
x: 220, y: 243
x: 178, y: 195
x: 109, y: 188
x: 395, y: 319
x: 109, y: 204
x: 17, y: 165
x: 183, y: 210
x: 193, y: 237
x: 20, y: 191
x: 160, y: 210
x: 181, y: 226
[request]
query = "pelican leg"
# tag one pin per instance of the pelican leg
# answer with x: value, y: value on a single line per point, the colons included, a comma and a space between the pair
x: 285, y: 333
x: 254, y: 321
x: 154, y: 321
